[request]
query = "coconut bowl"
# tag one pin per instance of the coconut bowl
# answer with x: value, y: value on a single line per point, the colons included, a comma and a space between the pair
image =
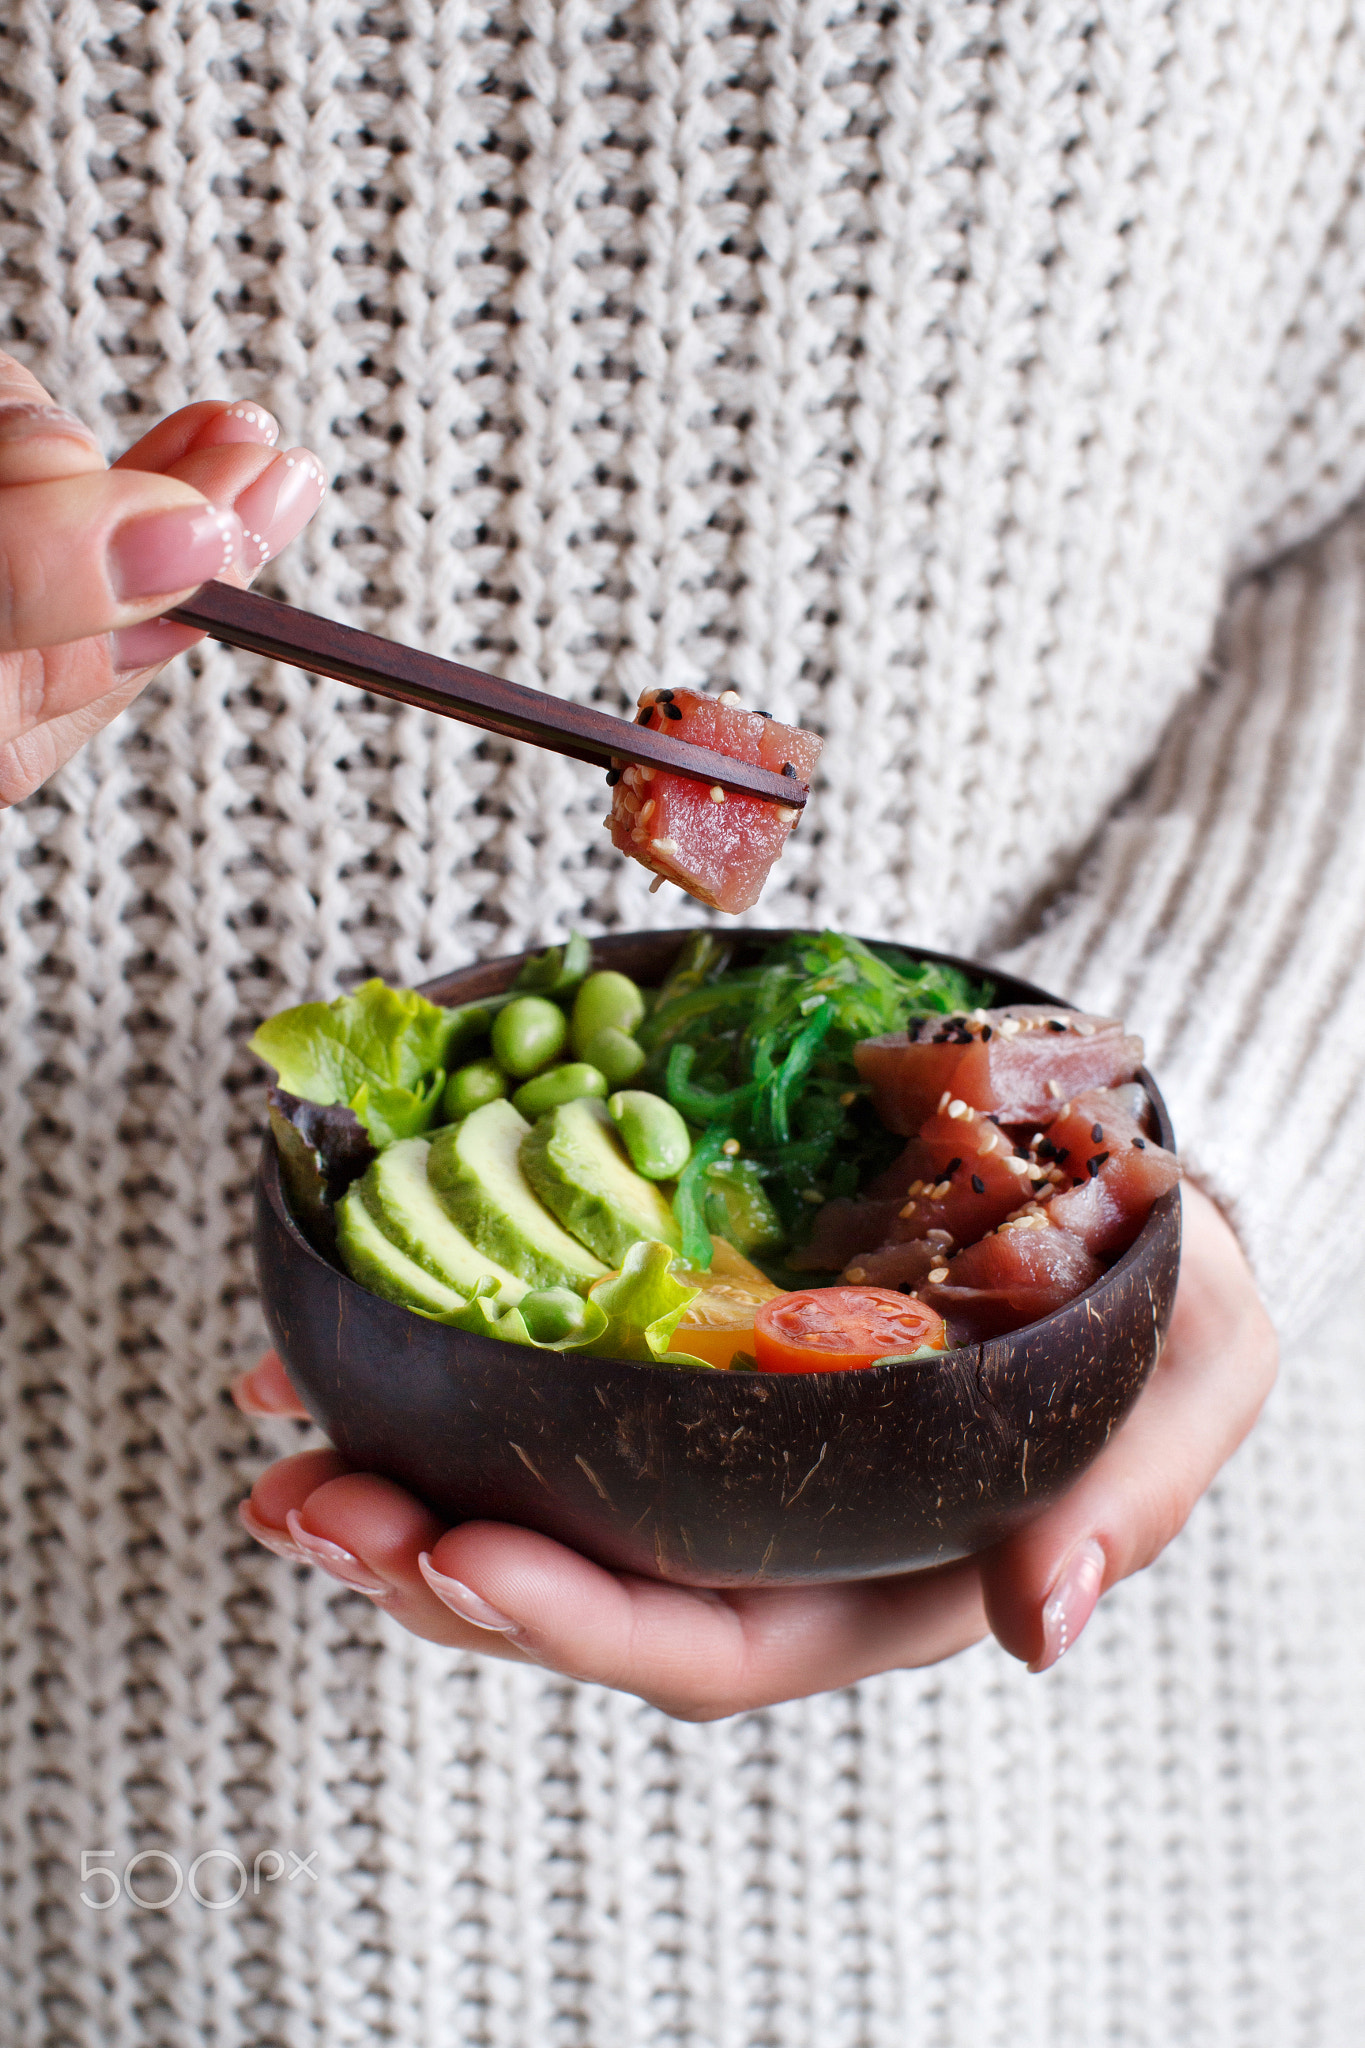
x: 714, y: 1478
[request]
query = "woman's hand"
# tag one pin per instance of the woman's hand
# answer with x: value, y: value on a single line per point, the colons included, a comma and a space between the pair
x: 90, y: 556
x: 703, y: 1655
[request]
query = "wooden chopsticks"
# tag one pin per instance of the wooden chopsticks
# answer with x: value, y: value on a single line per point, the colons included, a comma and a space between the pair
x: 242, y: 618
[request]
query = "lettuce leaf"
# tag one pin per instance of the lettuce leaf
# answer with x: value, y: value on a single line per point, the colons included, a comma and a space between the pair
x: 631, y: 1314
x: 548, y: 1318
x: 381, y: 1051
x: 644, y: 1304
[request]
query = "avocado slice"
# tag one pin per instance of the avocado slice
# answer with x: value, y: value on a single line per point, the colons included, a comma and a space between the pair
x: 578, y: 1166
x: 376, y: 1263
x: 400, y: 1197
x: 474, y: 1167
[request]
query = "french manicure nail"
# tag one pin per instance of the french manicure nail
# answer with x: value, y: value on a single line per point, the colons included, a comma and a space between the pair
x: 148, y: 644
x: 23, y: 419
x: 332, y: 1558
x: 270, y: 1538
x: 164, y: 552
x: 280, y: 504
x: 1071, y: 1602
x: 462, y: 1600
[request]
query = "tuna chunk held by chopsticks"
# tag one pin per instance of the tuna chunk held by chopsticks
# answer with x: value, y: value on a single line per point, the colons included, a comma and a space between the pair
x: 717, y: 846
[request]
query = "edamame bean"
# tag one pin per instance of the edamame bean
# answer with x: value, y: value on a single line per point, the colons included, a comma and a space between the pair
x: 527, y: 1035
x: 558, y: 1084
x: 470, y: 1087
x: 606, y: 1000
x: 652, y: 1132
x: 615, y: 1054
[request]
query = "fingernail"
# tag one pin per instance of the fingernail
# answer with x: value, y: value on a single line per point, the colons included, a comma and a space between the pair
x: 147, y: 645
x: 462, y: 1600
x: 24, y: 419
x: 247, y: 422
x: 280, y: 504
x: 332, y: 1558
x: 269, y: 1538
x: 164, y: 552
x: 248, y: 1398
x: 1071, y: 1602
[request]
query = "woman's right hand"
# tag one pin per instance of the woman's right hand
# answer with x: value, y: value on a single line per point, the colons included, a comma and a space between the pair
x: 90, y: 556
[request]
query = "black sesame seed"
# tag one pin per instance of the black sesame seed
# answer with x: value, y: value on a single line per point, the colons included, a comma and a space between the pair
x: 671, y: 711
x: 985, y: 1033
x: 664, y: 696
x: 643, y: 717
x: 1141, y: 1144
x: 787, y: 769
x: 765, y: 714
x: 951, y: 1168
x: 613, y: 777
x: 1097, y: 1133
x: 978, y: 1185
x: 1062, y: 1154
x: 1092, y: 1166
x: 1055, y: 1024
x: 1046, y: 1149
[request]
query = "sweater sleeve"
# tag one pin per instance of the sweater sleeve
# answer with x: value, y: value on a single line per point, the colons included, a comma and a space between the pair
x: 1222, y: 912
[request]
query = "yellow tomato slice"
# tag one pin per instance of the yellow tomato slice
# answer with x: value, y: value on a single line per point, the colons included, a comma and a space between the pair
x: 720, y: 1321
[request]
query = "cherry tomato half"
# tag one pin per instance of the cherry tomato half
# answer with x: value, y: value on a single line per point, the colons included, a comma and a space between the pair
x: 833, y: 1329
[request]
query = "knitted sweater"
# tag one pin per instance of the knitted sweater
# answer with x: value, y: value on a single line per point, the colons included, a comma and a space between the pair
x: 937, y: 375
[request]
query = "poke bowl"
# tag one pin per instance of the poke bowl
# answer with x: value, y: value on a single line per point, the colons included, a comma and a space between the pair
x: 718, y: 1478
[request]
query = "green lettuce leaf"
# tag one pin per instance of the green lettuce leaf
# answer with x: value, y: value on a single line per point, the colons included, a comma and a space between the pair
x: 381, y: 1051
x: 644, y: 1304
x: 631, y: 1314
x: 548, y: 1318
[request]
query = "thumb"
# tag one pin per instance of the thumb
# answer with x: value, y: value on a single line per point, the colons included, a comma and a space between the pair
x: 85, y: 549
x: 84, y: 554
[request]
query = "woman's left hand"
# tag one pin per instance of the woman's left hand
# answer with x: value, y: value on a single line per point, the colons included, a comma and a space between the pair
x: 702, y: 1655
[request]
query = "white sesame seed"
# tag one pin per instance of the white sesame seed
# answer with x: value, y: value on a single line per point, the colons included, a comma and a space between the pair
x: 730, y: 697
x: 787, y: 817
x: 944, y: 1100
x: 856, y: 1275
x: 717, y: 793
x: 731, y: 1148
x: 938, y: 1273
x: 1054, y: 1089
x: 664, y: 845
x: 811, y: 1195
x: 957, y: 1109
x: 849, y: 1095
x: 647, y: 811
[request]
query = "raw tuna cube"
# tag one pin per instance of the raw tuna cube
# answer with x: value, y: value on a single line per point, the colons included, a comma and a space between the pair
x: 1024, y: 1270
x: 1018, y: 1062
x: 843, y: 1228
x: 1107, y: 1174
x: 961, y: 1174
x: 906, y: 1266
x: 717, y: 846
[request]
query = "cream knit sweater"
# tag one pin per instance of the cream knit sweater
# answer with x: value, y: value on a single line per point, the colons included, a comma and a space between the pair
x: 932, y: 373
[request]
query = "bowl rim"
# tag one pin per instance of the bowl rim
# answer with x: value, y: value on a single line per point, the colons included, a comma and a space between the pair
x: 269, y: 1169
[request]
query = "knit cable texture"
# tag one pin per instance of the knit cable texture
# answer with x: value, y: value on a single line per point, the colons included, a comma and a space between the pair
x: 929, y: 374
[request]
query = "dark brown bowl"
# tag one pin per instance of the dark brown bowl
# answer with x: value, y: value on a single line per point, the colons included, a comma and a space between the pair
x: 709, y: 1478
